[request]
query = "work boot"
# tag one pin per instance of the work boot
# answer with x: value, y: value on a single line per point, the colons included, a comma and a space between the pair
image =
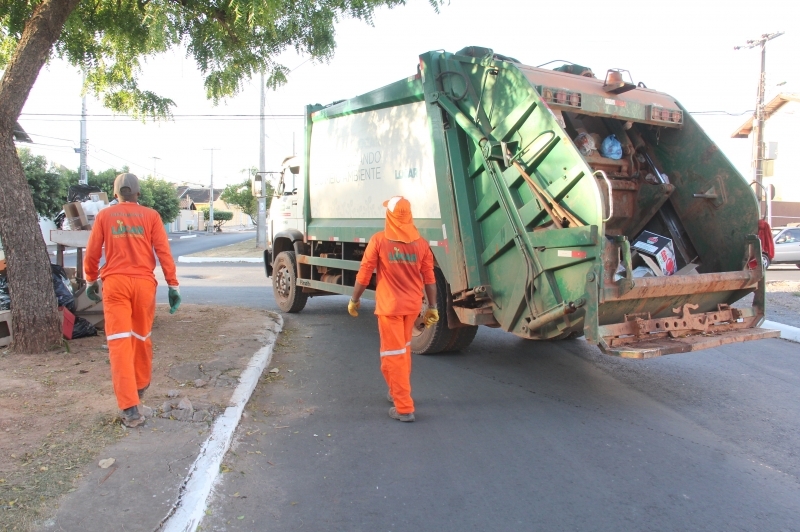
x: 141, y: 392
x: 394, y: 414
x: 131, y: 417
x: 389, y: 397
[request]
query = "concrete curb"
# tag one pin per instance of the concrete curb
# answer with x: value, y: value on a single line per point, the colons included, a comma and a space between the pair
x: 788, y: 332
x: 184, y: 258
x: 189, y: 509
x: 187, y: 236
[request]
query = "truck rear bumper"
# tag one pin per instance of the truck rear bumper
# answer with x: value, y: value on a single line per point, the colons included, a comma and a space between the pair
x: 668, y: 346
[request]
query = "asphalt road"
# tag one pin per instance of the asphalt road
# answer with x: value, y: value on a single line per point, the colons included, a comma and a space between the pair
x: 510, y: 434
x: 185, y: 246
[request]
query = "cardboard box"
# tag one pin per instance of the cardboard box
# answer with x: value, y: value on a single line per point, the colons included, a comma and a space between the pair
x: 659, y: 248
x: 99, y: 196
x: 76, y: 217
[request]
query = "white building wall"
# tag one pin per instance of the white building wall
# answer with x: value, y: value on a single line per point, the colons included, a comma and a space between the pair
x: 784, y: 128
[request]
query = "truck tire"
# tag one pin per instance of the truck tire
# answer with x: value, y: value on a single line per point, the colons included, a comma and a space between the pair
x: 461, y: 338
x: 288, y: 295
x: 433, y: 339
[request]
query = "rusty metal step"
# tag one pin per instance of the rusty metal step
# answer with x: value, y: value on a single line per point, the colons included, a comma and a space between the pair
x: 668, y: 346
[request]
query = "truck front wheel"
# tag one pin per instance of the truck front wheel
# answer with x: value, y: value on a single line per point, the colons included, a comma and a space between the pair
x: 433, y: 339
x: 288, y: 295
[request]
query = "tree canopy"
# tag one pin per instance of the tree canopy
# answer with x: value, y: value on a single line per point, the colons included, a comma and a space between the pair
x: 47, y: 186
x: 220, y: 217
x: 230, y: 41
x: 241, y: 195
x: 160, y: 196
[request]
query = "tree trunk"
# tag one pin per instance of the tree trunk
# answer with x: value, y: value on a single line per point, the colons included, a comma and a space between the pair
x: 34, y: 315
x: 36, y: 324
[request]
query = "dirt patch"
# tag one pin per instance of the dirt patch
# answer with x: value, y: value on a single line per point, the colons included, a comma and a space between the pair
x: 245, y: 249
x: 58, y: 411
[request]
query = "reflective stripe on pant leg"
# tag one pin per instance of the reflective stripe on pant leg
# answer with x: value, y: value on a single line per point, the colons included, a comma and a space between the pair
x: 117, y: 336
x: 395, y: 366
x: 117, y: 312
x: 144, y: 309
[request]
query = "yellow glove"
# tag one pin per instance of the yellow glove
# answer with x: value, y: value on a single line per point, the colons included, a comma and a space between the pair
x: 353, y: 307
x: 431, y: 317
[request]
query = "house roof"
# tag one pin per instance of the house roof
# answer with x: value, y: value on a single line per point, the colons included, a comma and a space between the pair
x: 197, y: 195
x: 772, y: 107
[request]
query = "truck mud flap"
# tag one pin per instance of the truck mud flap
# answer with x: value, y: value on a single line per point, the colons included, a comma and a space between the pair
x: 667, y: 346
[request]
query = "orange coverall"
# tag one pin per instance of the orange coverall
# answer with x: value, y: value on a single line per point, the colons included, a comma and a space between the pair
x: 403, y: 268
x: 130, y: 233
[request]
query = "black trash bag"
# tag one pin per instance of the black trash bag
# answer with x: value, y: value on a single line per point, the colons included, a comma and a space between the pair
x: 62, y: 288
x: 80, y: 192
x: 82, y: 328
x: 5, y: 299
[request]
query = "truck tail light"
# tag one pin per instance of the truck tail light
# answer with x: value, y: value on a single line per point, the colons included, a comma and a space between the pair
x: 560, y: 96
x: 657, y: 113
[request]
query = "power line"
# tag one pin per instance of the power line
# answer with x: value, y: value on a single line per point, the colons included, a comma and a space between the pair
x: 721, y: 113
x: 47, y: 137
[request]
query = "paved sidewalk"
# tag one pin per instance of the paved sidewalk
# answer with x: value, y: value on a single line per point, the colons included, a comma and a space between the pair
x: 146, y: 480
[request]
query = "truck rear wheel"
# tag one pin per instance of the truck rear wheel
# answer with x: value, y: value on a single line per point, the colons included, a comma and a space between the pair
x: 461, y: 338
x: 433, y: 339
x: 288, y: 295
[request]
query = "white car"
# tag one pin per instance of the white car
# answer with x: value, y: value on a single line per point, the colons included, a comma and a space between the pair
x: 787, y: 246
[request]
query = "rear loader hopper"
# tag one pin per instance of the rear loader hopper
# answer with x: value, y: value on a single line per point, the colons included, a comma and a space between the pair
x: 557, y: 205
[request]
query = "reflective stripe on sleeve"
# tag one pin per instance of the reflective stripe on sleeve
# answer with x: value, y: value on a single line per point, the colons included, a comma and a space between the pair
x: 117, y: 336
x: 140, y: 337
x: 393, y: 352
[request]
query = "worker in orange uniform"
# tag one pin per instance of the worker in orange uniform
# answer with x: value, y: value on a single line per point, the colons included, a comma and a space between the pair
x: 130, y: 233
x: 405, y: 264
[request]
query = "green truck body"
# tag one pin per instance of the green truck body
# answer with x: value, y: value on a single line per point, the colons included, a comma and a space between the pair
x: 531, y: 229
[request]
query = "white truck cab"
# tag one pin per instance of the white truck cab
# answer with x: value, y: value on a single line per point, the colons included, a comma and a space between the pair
x: 285, y: 223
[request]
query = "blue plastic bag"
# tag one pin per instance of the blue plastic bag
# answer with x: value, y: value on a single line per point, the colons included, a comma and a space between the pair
x: 611, y: 148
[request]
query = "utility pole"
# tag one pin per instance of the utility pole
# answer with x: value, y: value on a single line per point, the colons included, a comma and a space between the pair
x: 154, y: 165
x: 83, y: 178
x: 210, y: 225
x: 261, y: 222
x: 759, y: 119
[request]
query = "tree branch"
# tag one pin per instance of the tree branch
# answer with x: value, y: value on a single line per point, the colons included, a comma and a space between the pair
x: 41, y: 32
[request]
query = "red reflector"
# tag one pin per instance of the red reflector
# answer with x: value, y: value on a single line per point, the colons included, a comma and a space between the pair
x: 753, y: 264
x: 571, y: 254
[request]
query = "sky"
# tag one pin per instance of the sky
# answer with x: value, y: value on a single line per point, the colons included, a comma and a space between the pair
x: 683, y: 48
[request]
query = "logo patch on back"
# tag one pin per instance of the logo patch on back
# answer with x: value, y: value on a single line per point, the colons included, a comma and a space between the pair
x: 398, y: 256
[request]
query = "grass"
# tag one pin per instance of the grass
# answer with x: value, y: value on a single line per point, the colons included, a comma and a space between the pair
x: 245, y: 249
x: 51, y: 470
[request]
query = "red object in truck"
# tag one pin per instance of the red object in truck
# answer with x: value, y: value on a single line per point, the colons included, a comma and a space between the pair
x: 765, y: 235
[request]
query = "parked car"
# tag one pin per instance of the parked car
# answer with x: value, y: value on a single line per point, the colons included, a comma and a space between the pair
x: 787, y: 245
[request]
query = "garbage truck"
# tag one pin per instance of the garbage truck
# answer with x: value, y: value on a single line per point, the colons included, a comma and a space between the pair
x: 557, y: 203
